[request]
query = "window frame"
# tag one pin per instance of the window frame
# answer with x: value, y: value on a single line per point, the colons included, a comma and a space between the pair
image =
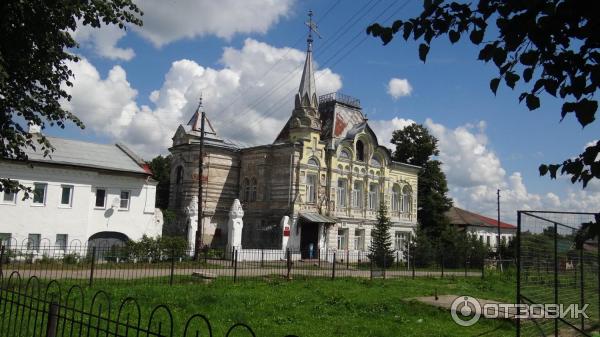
x: 30, y: 243
x: 71, y: 190
x: 342, y: 192
x: 343, y: 239
x: 311, y: 189
x: 357, y: 194
x: 373, y: 199
x: 103, y: 199
x: 66, y: 241
x: 121, y: 200
x: 44, y: 196
x: 3, y: 201
x: 5, y: 239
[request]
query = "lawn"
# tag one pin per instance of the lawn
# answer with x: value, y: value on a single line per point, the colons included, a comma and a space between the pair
x: 322, y: 307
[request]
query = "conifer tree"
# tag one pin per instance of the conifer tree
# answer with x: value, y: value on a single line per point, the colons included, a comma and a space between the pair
x: 380, y: 251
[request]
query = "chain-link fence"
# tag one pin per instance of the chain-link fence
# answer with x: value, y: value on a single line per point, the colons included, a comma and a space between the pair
x: 558, y: 264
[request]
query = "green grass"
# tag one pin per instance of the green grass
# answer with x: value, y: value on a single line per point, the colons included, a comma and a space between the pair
x: 321, y: 307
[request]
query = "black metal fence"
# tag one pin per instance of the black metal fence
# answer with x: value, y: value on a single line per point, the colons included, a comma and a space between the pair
x: 169, y: 265
x: 555, y: 267
x: 30, y: 308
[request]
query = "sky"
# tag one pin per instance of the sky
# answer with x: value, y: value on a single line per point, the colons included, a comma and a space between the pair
x: 245, y: 58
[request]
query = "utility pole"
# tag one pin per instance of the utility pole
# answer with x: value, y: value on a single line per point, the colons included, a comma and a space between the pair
x: 200, y: 229
x: 499, y: 241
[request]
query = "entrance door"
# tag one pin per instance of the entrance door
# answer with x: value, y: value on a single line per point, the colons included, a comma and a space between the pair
x: 309, y: 234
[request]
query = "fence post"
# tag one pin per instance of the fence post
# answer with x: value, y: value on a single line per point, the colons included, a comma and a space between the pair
x: 413, y: 265
x: 235, y: 265
x: 442, y: 262
x: 347, y: 259
x: 398, y: 259
x: 262, y: 258
x: 172, y: 266
x: 233, y: 252
x: 333, y: 269
x: 52, y: 320
x: 319, y: 257
x: 556, y: 275
x: 358, y: 262
x: 371, y: 268
x: 581, y: 299
x: 2, y: 260
x: 93, y: 265
x: 289, y: 262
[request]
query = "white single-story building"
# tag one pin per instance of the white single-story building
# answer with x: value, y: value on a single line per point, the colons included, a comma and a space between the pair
x: 482, y: 227
x: 81, y: 192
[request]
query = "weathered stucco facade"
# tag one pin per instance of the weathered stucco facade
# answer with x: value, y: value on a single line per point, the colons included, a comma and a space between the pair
x: 325, y: 170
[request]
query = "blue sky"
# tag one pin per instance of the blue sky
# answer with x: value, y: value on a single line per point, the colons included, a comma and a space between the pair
x: 235, y: 51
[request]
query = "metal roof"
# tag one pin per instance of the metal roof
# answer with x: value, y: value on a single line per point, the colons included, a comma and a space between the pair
x: 459, y: 216
x: 316, y: 217
x: 78, y: 153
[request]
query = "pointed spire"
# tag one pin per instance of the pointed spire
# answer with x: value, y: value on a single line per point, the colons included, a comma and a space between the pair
x: 307, y: 93
x: 196, y: 120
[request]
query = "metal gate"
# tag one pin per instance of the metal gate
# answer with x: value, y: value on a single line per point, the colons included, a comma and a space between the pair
x: 557, y: 264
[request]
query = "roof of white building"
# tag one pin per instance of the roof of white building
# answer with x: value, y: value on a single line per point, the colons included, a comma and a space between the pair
x: 461, y: 217
x: 115, y: 157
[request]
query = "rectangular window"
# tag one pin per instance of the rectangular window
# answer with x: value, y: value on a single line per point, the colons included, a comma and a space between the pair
x: 9, y: 197
x: 357, y: 195
x: 341, y: 192
x: 33, y: 242
x: 66, y: 196
x: 100, y: 198
x: 125, y: 195
x: 373, y: 196
x: 39, y: 193
x: 311, y: 184
x: 359, y: 239
x: 61, y: 241
x: 401, y: 240
x: 341, y: 239
x: 488, y: 240
x: 5, y: 239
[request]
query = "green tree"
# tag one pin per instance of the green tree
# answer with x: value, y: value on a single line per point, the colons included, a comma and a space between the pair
x: 550, y: 45
x: 35, y: 47
x: 415, y: 146
x: 161, y: 171
x: 381, y: 251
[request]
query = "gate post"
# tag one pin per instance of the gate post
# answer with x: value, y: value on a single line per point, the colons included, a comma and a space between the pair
x: 52, y: 320
x: 235, y: 265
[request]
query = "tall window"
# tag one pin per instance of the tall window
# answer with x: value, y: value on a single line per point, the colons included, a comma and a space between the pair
x: 33, y: 242
x: 357, y: 199
x: 5, y: 239
x: 342, y: 239
x: 311, y: 188
x: 66, y: 195
x: 39, y: 193
x: 360, y: 150
x: 359, y: 239
x: 100, y: 198
x: 401, y: 240
x: 61, y: 241
x: 373, y: 196
x: 344, y: 154
x: 179, y: 175
x: 253, y: 189
x: 341, y: 192
x: 246, y: 189
x: 125, y: 196
x: 375, y: 162
x: 396, y: 198
x: 406, y: 199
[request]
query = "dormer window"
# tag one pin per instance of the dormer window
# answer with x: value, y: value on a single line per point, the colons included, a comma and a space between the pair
x: 360, y: 150
x: 313, y: 162
x: 344, y: 155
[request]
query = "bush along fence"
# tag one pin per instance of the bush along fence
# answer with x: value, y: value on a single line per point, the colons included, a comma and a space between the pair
x: 91, y: 264
x: 30, y: 308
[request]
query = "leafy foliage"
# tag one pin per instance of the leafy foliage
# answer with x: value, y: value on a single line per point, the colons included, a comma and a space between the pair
x: 34, y: 51
x: 161, y: 170
x: 551, y: 45
x: 415, y: 146
x: 381, y: 251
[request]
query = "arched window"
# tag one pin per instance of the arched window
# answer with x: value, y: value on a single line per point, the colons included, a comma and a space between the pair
x: 396, y: 198
x: 246, y: 187
x: 253, y: 189
x: 406, y: 199
x: 357, y: 194
x: 344, y: 154
x: 313, y: 162
x: 375, y: 162
x: 179, y: 175
x: 360, y: 150
x: 373, y: 196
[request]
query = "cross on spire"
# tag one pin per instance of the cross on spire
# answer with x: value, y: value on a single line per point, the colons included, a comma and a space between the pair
x: 312, y: 27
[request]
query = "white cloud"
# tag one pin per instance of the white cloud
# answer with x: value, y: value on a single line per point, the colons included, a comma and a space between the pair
x: 231, y: 97
x: 103, y: 41
x: 475, y: 173
x: 399, y: 87
x: 385, y: 128
x: 168, y: 21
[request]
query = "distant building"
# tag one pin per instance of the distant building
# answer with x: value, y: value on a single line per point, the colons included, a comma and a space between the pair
x: 326, y: 170
x: 484, y: 228
x: 81, y: 192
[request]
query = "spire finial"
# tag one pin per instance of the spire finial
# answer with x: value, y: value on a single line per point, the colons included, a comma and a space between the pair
x: 312, y: 27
